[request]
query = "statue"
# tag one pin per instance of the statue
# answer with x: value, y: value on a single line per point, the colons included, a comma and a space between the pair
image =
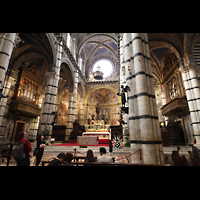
x: 98, y: 108
x: 123, y: 97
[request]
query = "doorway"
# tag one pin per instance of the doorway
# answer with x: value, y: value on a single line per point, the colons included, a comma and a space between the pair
x: 19, y: 127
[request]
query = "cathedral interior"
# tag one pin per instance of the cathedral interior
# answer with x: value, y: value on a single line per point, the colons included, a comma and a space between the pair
x: 56, y: 80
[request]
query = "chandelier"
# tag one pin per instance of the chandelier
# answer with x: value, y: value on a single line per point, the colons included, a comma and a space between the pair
x: 98, y: 74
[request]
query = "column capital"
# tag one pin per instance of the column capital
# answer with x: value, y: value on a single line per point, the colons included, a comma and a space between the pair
x: 51, y: 75
x: 187, y: 67
x: 15, y: 39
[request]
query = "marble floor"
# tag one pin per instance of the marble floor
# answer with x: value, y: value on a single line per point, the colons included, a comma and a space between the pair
x: 119, y: 154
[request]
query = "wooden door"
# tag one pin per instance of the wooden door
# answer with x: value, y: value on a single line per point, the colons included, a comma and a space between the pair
x: 19, y: 127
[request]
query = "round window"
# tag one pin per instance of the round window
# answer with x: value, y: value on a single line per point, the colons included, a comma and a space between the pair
x: 105, y: 65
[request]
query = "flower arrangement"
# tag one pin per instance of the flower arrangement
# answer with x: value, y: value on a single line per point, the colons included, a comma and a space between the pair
x: 117, y: 142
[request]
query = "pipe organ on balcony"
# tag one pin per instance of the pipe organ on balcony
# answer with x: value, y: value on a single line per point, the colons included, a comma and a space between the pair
x: 26, y: 95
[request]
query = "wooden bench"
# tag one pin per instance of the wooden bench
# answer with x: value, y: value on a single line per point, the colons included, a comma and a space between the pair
x: 6, y: 151
x: 195, y: 155
x: 76, y: 159
x: 178, y: 160
x: 81, y: 163
x: 114, y: 164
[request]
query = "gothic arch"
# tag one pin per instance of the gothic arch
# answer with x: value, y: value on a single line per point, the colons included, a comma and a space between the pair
x: 80, y: 90
x: 53, y: 49
x: 67, y: 73
x: 159, y: 44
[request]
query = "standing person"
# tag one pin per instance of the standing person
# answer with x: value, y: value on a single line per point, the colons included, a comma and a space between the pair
x: 40, y: 149
x: 27, y: 150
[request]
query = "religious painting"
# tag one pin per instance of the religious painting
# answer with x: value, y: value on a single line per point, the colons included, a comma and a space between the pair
x: 63, y: 108
x: 103, y: 96
x: 62, y: 113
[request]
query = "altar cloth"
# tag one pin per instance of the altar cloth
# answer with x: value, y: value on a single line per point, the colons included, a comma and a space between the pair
x: 87, y: 140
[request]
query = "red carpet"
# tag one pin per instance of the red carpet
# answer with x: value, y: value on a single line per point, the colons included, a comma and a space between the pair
x: 74, y: 143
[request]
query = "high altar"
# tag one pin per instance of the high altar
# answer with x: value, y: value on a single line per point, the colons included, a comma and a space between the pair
x: 98, y: 128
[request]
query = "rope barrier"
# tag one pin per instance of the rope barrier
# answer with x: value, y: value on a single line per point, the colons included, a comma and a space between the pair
x: 179, y: 160
x: 130, y: 155
x: 81, y: 153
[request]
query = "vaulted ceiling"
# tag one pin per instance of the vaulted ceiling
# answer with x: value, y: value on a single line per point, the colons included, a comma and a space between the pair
x: 160, y: 45
x: 96, y: 46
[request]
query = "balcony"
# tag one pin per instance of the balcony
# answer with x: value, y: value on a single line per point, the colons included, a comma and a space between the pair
x: 22, y: 107
x: 177, y: 106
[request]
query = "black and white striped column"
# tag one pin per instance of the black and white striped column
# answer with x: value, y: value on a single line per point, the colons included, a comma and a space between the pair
x: 72, y: 107
x: 81, y: 114
x: 75, y: 92
x: 3, y: 110
x: 133, y: 123
x: 51, y: 93
x: 143, y: 118
x: 6, y: 46
x: 7, y: 42
x: 192, y: 90
x: 153, y: 106
x: 70, y: 115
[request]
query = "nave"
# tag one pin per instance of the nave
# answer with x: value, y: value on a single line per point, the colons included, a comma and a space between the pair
x: 146, y: 86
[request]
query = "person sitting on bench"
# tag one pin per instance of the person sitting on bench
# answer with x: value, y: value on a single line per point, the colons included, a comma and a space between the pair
x: 103, y: 157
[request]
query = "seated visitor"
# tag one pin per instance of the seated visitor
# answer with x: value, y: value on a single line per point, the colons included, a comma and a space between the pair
x: 68, y: 157
x: 103, y: 157
x: 57, y: 161
x: 90, y: 156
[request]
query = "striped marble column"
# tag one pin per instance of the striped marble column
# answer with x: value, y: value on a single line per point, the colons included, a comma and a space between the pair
x: 81, y: 114
x: 51, y: 92
x: 153, y: 106
x: 193, y: 97
x: 195, y: 88
x: 7, y: 42
x: 70, y: 115
x: 75, y: 92
x: 133, y: 124
x: 3, y: 110
x: 72, y: 107
x: 144, y: 129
